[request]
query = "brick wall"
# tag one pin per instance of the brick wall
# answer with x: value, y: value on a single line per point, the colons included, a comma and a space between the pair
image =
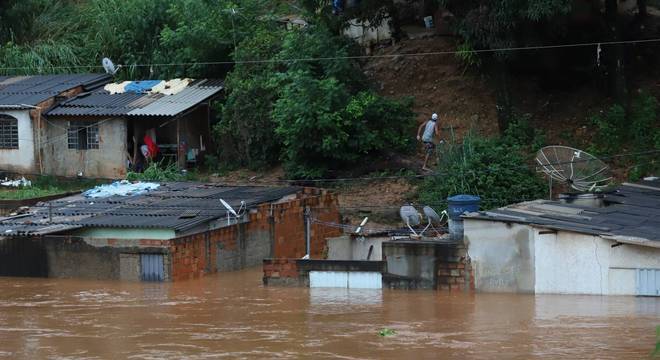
x: 276, y: 229
x: 455, y: 272
x: 281, y: 272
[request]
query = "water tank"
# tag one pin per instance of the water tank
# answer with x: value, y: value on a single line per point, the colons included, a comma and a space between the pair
x: 459, y: 204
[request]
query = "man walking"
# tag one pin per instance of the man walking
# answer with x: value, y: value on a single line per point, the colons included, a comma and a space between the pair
x: 430, y: 129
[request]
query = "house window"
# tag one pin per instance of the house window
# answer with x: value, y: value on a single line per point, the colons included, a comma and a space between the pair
x: 8, y: 132
x: 83, y: 135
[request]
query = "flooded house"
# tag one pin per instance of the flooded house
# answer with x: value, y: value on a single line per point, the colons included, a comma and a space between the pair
x: 600, y: 244
x: 105, y: 132
x: 164, y: 232
x: 23, y: 102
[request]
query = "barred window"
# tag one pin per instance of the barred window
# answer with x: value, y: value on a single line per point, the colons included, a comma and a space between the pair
x: 8, y: 132
x: 83, y: 135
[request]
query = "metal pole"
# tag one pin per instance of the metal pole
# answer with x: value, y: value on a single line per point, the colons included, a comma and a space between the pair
x: 550, y: 187
x: 308, y: 232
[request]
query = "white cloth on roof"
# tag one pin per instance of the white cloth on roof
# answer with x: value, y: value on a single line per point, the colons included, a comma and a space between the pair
x: 120, y: 188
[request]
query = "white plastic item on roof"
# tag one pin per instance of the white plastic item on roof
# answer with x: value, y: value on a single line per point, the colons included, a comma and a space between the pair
x: 120, y: 188
x: 171, y: 87
x: 116, y: 88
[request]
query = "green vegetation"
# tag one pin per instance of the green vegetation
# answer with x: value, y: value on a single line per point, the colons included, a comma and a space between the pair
x: 313, y: 116
x: 496, y: 169
x: 160, y: 171
x: 46, y: 186
x: 636, y: 131
x: 386, y: 332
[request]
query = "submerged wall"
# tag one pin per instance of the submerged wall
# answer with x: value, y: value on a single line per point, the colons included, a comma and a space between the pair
x: 522, y: 259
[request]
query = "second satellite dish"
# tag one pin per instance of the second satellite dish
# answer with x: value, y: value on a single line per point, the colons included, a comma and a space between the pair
x: 109, y: 66
x: 575, y: 168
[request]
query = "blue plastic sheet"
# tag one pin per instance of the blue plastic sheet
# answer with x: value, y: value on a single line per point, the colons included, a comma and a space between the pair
x: 120, y: 188
x: 140, y: 87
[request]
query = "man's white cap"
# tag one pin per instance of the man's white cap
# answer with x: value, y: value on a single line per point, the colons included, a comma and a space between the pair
x: 434, y: 116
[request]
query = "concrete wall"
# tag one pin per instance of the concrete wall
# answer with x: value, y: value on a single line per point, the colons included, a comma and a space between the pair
x: 502, y: 255
x: 366, y: 35
x: 560, y: 262
x: 108, y: 161
x: 21, y: 160
x: 350, y: 247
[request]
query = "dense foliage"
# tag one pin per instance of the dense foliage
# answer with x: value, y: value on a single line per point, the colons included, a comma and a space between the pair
x: 499, y: 170
x: 636, y: 131
x: 314, y: 116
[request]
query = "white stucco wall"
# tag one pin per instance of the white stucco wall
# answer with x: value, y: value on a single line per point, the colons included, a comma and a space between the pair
x: 561, y: 263
x: 352, y: 248
x: 502, y: 255
x: 21, y: 160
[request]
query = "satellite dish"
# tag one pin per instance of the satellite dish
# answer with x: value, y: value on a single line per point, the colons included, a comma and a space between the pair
x: 432, y: 216
x: 231, y: 211
x: 575, y: 168
x: 410, y: 217
x: 109, y: 66
x: 362, y: 224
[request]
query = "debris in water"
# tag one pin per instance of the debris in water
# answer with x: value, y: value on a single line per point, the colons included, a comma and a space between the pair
x: 386, y: 332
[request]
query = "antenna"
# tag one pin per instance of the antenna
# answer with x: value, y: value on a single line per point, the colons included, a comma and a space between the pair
x: 410, y: 217
x: 109, y: 66
x: 362, y: 224
x: 432, y: 216
x: 575, y: 168
x: 231, y: 211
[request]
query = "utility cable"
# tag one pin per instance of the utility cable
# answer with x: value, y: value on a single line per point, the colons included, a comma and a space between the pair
x: 353, y: 57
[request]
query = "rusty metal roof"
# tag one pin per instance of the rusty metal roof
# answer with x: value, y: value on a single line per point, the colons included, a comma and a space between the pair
x: 32, y: 90
x: 102, y: 103
x: 177, y: 206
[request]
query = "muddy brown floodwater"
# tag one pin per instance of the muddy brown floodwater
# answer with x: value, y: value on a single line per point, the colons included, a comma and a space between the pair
x: 232, y: 315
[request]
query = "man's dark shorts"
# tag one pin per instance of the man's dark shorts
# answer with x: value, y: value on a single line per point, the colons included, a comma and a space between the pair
x: 430, y: 147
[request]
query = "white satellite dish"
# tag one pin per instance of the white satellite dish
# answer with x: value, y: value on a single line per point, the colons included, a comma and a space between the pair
x: 432, y: 216
x: 231, y: 211
x: 109, y: 66
x: 362, y: 224
x: 410, y: 217
x: 575, y: 168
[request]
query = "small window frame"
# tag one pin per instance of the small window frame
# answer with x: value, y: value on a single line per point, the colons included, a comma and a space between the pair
x: 8, y: 132
x: 83, y: 135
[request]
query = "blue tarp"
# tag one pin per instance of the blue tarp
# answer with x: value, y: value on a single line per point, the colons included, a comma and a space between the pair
x: 121, y: 188
x: 142, y: 86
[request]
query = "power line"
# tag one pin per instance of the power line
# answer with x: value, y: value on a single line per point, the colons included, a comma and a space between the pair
x: 353, y: 57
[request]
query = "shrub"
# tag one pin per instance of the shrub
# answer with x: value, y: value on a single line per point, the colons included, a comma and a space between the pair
x: 490, y: 168
x: 157, y: 171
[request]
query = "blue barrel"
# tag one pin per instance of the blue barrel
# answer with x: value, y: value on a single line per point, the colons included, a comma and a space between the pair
x: 459, y: 204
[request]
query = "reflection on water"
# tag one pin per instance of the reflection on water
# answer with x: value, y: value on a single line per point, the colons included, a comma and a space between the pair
x: 233, y: 315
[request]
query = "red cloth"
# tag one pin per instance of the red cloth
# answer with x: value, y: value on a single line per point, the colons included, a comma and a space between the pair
x: 151, y: 145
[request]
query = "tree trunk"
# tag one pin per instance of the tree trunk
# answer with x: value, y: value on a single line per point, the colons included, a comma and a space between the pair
x: 499, y: 75
x: 616, y: 55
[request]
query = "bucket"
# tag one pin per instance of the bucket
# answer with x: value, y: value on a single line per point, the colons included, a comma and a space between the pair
x: 428, y: 22
x: 459, y: 204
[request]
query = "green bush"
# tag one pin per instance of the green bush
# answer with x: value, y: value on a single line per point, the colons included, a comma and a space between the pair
x: 492, y: 168
x: 157, y: 171
x: 637, y: 131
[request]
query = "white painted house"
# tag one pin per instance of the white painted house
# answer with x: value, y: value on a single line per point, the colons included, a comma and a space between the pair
x: 23, y: 101
x: 608, y: 247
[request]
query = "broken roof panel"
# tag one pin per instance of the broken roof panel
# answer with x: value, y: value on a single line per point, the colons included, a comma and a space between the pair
x: 32, y: 90
x: 632, y: 211
x: 104, y: 103
x: 158, y: 209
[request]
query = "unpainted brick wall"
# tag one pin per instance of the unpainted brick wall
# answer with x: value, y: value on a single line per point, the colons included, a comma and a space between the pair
x: 455, y: 271
x: 283, y: 223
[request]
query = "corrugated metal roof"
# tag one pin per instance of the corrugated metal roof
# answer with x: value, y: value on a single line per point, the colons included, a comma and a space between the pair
x: 103, y: 103
x: 159, y: 209
x: 32, y: 90
x: 630, y: 211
